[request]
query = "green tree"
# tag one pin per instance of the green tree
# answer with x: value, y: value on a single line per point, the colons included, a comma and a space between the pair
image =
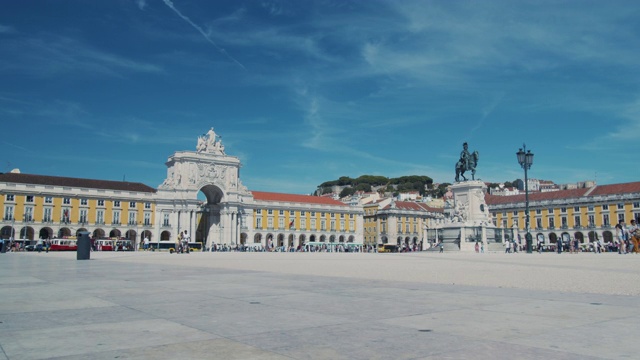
x: 347, y: 191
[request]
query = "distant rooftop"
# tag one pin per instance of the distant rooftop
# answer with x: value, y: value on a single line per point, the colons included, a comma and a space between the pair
x: 294, y: 198
x: 19, y: 178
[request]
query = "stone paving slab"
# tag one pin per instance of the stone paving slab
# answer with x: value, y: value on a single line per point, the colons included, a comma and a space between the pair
x: 318, y: 306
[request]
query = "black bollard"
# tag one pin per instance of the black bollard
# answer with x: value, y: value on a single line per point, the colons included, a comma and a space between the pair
x: 84, y: 246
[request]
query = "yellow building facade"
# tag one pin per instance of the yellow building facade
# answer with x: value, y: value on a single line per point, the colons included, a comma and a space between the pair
x: 587, y: 215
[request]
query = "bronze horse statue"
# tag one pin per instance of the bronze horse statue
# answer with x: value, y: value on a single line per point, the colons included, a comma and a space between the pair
x: 470, y: 165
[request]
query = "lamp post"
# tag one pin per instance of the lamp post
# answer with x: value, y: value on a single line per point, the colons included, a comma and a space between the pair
x: 525, y: 159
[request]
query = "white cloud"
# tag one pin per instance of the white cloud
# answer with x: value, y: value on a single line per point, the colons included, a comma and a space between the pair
x: 142, y: 4
x: 55, y: 55
x: 5, y: 29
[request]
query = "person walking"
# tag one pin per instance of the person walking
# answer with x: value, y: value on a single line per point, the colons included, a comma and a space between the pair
x: 634, y: 234
x: 620, y: 239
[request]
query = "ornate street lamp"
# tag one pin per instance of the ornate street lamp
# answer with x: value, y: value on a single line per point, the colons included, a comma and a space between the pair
x: 525, y: 159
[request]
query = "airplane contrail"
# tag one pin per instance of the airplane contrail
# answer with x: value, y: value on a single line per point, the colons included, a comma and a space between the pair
x: 169, y: 3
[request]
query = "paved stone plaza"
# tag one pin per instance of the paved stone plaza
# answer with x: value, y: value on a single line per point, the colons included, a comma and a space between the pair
x: 319, y: 306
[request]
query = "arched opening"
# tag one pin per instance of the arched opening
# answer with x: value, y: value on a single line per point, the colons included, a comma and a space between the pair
x: 7, y: 232
x: 257, y: 238
x: 64, y: 232
x: 351, y: 238
x: 414, y: 241
x: 114, y: 233
x: 540, y: 237
x: 593, y: 236
x: 27, y: 233
x: 291, y: 240
x: 212, y: 193
x: 553, y: 238
x: 131, y: 235
x: 165, y: 236
x: 243, y: 238
x: 280, y: 239
x: 312, y: 238
x: 399, y: 240
x: 45, y: 233
x: 332, y: 238
x: 147, y: 234
x: 579, y: 236
x: 341, y: 238
x: 323, y: 238
x: 384, y: 240
x: 607, y: 236
x: 302, y: 239
x: 98, y: 234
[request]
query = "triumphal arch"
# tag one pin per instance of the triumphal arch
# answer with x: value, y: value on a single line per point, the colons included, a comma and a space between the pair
x: 217, y: 219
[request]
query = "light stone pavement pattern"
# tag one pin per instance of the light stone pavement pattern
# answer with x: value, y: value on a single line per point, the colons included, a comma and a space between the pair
x: 148, y: 305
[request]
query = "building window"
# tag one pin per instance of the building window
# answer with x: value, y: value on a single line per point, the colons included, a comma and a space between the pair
x: 313, y: 224
x: 65, y: 215
x: 116, y: 203
x: 281, y: 222
x: 132, y: 204
x: 576, y: 221
x: 48, y: 200
x: 132, y: 218
x: 590, y: 208
x: 605, y: 219
x: 84, y: 202
x: 270, y: 223
x: 552, y: 223
x: 407, y: 228
x: 29, y: 198
x: 292, y: 213
x: 281, y: 212
x: 28, y: 214
x: 550, y: 210
x: 147, y: 205
x: 116, y: 218
x: 8, y: 213
x: 342, y: 225
x: 303, y: 223
x: 538, y: 211
x: 165, y: 220
x: 270, y: 211
x: 515, y: 213
x: 538, y: 223
x: 303, y: 213
x: 621, y: 217
x: 100, y: 202
x: 259, y: 222
x: 350, y: 216
x: 313, y: 213
x: 333, y: 215
x: 66, y: 201
x: 351, y: 225
x: 147, y: 218
x: 323, y: 225
x: 10, y: 197
x: 605, y: 207
x: 47, y: 214
x: 83, y: 216
x: 563, y: 209
x: 636, y: 205
x: 341, y: 216
x: 333, y: 225
x: 322, y: 214
x: 100, y: 217
x: 576, y: 208
x: 592, y: 220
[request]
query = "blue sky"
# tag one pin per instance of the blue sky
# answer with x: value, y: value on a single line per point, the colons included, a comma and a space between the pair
x: 308, y: 91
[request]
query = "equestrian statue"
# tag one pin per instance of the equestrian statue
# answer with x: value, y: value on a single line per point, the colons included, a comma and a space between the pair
x: 467, y: 162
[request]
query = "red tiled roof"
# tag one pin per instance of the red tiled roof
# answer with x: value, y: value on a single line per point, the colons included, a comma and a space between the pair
x: 612, y: 189
x: 294, y: 198
x: 536, y: 196
x: 74, y: 182
x: 599, y: 190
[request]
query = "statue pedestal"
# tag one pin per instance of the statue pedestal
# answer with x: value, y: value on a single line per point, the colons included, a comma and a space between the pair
x: 470, y: 220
